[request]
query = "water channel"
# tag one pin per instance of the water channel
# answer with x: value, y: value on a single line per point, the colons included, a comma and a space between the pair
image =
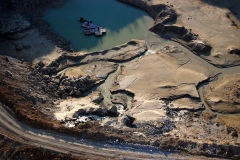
x: 123, y: 23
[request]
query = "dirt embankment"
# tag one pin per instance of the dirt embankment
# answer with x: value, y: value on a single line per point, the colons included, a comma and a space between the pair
x: 21, y: 24
x: 213, y: 39
x: 14, y: 150
x: 29, y: 4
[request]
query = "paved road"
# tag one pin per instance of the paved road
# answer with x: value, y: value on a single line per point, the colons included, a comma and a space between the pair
x: 12, y: 128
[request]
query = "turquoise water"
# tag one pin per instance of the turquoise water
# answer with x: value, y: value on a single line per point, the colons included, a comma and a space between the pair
x: 123, y: 22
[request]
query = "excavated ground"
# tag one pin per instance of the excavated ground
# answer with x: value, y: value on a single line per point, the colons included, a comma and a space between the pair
x: 177, y: 90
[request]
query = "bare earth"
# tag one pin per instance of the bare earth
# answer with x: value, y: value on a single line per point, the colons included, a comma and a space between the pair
x: 177, y: 90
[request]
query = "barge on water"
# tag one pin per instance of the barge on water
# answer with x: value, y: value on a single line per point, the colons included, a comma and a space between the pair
x: 91, y: 28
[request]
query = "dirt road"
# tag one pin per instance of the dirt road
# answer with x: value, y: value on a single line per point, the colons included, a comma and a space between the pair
x: 13, y: 129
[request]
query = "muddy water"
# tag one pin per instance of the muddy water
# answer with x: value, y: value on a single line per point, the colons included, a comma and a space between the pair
x: 123, y: 22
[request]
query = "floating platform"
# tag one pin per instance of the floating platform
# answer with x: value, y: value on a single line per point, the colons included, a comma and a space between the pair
x: 91, y: 28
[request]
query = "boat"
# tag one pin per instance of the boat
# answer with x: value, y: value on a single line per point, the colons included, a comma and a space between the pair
x: 99, y: 31
x: 82, y: 19
x: 91, y: 28
x: 103, y: 30
x: 89, y: 31
x: 87, y: 24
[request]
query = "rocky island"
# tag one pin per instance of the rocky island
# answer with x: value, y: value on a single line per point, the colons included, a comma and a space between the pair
x: 173, y: 95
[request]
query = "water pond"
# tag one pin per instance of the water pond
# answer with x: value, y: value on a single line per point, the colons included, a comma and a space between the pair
x: 123, y: 22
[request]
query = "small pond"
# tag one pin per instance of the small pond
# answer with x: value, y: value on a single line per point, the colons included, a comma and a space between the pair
x: 123, y: 22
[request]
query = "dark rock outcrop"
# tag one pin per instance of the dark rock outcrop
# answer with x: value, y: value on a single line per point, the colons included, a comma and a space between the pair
x: 166, y: 15
x: 161, y: 12
x: 235, y: 51
x: 72, y: 86
x: 128, y: 120
x: 29, y: 4
x: 113, y: 110
x: 160, y: 27
x: 13, y: 26
x: 199, y: 46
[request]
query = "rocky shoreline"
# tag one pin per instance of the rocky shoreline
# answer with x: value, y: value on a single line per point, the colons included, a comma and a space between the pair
x: 137, y: 103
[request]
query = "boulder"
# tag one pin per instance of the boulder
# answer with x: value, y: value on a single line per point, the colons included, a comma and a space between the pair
x: 113, y: 110
x: 57, y: 81
x: 19, y: 47
x: 79, y: 112
x: 62, y: 77
x: 175, y: 29
x: 71, y: 93
x: 46, y: 77
x: 68, y: 89
x: 160, y: 27
x: 77, y: 93
x: 188, y: 36
x: 8, y: 73
x: 49, y: 70
x: 157, y: 27
x: 128, y: 120
x: 97, y: 99
x: 235, y: 51
x: 101, y: 112
x: 166, y: 15
x: 16, y: 36
x: 6, y: 59
x: 68, y: 119
x: 13, y: 25
x: 41, y: 64
x: 33, y: 99
x: 199, y: 46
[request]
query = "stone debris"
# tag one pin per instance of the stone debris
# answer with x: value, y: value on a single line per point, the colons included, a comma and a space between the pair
x: 41, y: 64
x: 8, y: 73
x: 199, y: 46
x: 14, y: 26
x: 72, y: 86
x: 73, y: 122
x: 21, y: 46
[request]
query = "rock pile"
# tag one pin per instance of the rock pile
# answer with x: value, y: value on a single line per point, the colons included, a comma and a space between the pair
x: 13, y: 27
x: 73, y: 86
x: 65, y: 86
x: 81, y: 119
x: 166, y: 15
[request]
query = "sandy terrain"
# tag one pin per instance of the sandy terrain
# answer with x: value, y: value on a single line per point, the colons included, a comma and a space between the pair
x: 170, y: 75
x: 224, y: 92
x: 212, y: 25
